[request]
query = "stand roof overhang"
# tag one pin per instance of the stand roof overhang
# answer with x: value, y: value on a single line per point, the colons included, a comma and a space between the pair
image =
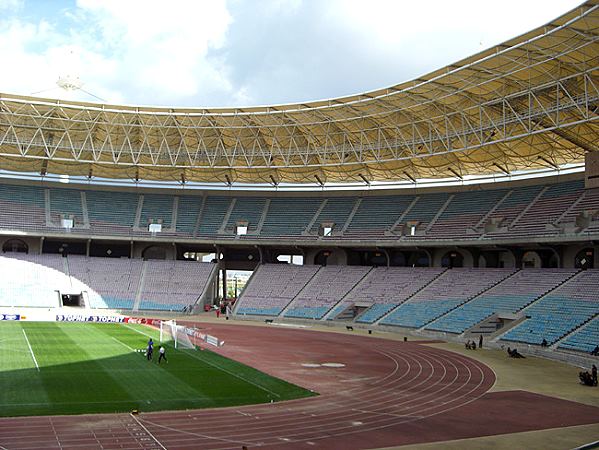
x: 527, y: 104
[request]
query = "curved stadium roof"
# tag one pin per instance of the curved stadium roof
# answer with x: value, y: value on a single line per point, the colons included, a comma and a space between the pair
x: 529, y: 103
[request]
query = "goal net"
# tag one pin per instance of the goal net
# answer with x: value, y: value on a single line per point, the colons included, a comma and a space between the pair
x: 170, y: 331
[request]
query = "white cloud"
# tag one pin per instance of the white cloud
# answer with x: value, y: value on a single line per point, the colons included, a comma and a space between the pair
x: 432, y: 34
x: 136, y: 51
x: 240, y: 52
x: 10, y: 5
x: 161, y: 49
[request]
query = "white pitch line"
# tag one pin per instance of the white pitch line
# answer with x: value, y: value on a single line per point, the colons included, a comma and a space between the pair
x: 122, y: 343
x: 30, y: 350
x: 137, y: 331
x: 148, y: 431
x: 218, y: 367
x: 233, y: 374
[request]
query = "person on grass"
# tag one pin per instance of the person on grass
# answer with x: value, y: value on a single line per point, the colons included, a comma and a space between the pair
x: 150, y: 350
x: 162, y: 355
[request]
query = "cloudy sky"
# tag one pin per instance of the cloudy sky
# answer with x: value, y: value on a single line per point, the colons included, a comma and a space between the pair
x: 245, y: 52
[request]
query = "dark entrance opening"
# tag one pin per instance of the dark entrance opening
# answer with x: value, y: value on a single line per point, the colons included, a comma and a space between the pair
x: 71, y: 300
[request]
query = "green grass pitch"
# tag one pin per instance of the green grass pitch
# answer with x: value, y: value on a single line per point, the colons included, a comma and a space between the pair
x: 95, y: 368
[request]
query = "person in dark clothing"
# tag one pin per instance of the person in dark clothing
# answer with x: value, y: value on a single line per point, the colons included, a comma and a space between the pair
x: 514, y: 353
x: 594, y: 374
x: 595, y: 351
x: 480, y: 341
x: 586, y: 378
x: 544, y: 343
x: 150, y: 350
x: 162, y: 354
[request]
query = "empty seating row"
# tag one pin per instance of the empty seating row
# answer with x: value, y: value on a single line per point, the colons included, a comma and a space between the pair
x: 511, y: 295
x: 450, y: 300
x: 173, y: 285
x: 449, y: 290
x: 272, y: 287
x: 32, y: 280
x: 585, y: 339
x: 386, y: 287
x: 328, y: 286
x: 563, y: 310
x: 114, y: 283
x: 518, y: 211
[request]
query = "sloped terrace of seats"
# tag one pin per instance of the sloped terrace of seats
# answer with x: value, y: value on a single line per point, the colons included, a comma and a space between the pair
x: 289, y: 216
x: 187, y: 214
x: 588, y: 202
x: 22, y: 207
x: 423, y: 212
x: 173, y: 285
x: 377, y: 214
x: 213, y: 215
x: 463, y: 213
x: 336, y: 211
x: 452, y: 288
x: 511, y: 295
x: 246, y: 209
x: 583, y: 340
x: 547, y: 210
x: 385, y: 288
x: 156, y: 209
x: 31, y: 280
x: 111, y: 213
x: 512, y: 206
x: 113, y: 282
x: 325, y: 289
x: 272, y: 287
x: 66, y: 203
x: 560, y: 312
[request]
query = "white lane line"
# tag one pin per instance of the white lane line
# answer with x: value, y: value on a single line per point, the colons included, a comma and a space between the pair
x: 148, y: 431
x: 30, y: 350
x: 193, y: 433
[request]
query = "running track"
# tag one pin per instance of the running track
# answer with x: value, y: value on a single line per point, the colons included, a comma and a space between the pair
x: 388, y: 393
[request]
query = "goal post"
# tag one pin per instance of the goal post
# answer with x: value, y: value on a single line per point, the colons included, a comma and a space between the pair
x: 170, y: 331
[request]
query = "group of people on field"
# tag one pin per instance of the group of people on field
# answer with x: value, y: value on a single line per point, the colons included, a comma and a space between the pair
x: 150, y: 352
x: 589, y: 379
x: 513, y: 353
x: 471, y: 345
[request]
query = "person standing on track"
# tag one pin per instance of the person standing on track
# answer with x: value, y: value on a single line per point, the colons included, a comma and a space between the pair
x: 162, y: 355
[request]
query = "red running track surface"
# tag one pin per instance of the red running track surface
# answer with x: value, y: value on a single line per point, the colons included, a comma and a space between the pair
x: 387, y: 393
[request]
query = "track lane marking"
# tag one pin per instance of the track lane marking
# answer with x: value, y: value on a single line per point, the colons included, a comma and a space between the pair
x: 147, y: 431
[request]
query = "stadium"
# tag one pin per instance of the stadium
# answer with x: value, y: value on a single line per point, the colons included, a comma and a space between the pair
x: 353, y: 245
